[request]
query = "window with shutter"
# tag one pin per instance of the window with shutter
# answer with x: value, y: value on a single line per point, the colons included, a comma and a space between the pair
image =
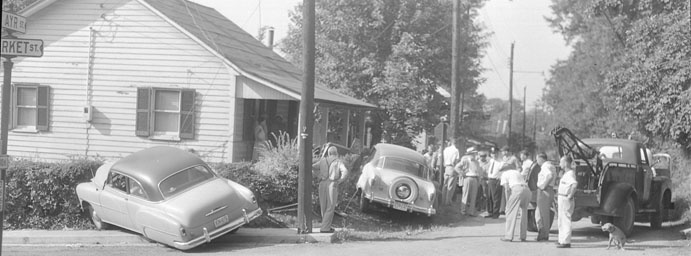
x: 165, y: 114
x: 30, y: 108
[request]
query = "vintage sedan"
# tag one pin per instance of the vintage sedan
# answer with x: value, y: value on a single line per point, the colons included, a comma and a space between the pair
x: 398, y: 178
x: 169, y: 196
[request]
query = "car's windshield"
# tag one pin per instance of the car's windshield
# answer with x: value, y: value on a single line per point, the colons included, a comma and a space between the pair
x: 404, y: 165
x: 184, y: 179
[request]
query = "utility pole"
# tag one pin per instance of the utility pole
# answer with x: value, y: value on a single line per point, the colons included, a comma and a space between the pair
x: 524, y: 102
x: 455, y: 67
x: 535, y: 128
x: 306, y: 121
x: 510, y: 94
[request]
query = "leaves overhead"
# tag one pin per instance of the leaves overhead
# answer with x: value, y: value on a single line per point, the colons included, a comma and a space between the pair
x: 630, y: 70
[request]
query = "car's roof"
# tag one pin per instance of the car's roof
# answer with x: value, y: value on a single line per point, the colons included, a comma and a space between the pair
x: 611, y: 141
x: 386, y: 149
x: 150, y: 166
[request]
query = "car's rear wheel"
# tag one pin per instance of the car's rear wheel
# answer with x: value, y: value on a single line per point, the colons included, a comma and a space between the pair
x: 625, y: 222
x: 364, y: 202
x: 98, y: 222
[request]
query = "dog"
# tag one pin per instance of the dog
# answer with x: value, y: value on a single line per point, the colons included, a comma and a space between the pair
x: 616, y: 236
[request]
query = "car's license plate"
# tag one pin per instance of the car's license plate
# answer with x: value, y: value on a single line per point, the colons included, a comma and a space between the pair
x: 220, y: 221
x: 400, y: 206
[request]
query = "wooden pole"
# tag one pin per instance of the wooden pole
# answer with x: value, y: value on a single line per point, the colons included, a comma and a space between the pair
x: 524, y: 102
x: 510, y: 95
x: 306, y: 121
x: 455, y: 67
x: 4, y: 130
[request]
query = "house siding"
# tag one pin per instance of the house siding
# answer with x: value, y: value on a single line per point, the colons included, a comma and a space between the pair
x: 132, y: 48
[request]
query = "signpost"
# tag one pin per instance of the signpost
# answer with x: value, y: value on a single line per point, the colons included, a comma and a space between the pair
x: 11, y: 47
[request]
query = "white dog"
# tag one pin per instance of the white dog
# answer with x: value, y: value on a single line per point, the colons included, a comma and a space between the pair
x: 615, y: 235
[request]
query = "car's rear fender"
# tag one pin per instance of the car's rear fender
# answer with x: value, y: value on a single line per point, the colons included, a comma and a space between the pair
x: 87, y: 193
x: 614, y: 197
x: 158, y: 226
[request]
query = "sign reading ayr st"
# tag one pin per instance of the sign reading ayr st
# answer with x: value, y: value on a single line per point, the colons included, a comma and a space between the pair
x: 13, y: 22
x: 21, y: 47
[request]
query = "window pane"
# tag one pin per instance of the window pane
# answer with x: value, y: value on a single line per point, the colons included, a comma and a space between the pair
x: 184, y: 179
x: 167, y: 100
x: 26, y: 116
x: 26, y: 96
x: 118, y: 181
x: 166, y: 122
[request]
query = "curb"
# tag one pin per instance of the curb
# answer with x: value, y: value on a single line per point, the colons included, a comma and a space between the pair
x: 122, y: 237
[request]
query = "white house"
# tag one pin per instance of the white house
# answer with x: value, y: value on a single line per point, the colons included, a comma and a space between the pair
x: 119, y: 76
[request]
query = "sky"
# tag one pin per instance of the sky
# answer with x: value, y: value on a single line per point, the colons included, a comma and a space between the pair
x: 536, y: 47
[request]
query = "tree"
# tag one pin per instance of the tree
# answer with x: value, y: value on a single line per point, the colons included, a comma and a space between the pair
x: 391, y: 53
x: 629, y: 71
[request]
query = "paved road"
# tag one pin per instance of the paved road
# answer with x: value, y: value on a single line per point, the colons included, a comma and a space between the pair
x: 476, y: 236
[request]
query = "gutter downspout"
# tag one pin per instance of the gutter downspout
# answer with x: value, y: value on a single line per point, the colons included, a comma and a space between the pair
x: 87, y: 105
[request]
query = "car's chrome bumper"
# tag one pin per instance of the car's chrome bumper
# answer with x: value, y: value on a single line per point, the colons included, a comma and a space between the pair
x: 208, y: 236
x: 408, y: 207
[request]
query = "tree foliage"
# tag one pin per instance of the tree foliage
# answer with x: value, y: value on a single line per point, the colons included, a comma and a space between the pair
x: 392, y: 53
x: 630, y: 70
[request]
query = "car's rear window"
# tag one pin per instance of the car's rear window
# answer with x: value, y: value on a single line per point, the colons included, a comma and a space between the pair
x: 610, y: 152
x: 184, y: 179
x: 404, y: 165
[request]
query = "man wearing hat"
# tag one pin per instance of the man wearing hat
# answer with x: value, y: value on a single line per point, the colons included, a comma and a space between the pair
x: 469, y: 168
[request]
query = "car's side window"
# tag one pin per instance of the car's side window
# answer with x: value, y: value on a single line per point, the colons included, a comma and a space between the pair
x: 136, y: 189
x: 118, y: 181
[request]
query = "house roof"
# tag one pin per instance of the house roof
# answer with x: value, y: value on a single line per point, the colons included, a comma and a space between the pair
x: 243, y: 50
x: 245, y: 53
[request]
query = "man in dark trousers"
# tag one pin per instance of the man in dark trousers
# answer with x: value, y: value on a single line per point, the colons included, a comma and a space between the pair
x: 494, y: 191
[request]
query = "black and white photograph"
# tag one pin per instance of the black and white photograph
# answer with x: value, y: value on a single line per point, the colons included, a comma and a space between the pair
x: 345, y: 127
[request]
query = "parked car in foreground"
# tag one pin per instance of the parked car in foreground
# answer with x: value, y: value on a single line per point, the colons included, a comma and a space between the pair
x: 398, y: 178
x: 169, y: 196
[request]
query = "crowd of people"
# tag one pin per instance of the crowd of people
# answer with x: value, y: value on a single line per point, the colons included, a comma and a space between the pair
x: 503, y: 183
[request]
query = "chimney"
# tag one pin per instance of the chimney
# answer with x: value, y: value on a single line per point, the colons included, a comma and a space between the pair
x: 271, y: 38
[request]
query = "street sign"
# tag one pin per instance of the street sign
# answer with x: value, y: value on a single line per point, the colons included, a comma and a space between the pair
x: 13, y: 22
x: 21, y: 47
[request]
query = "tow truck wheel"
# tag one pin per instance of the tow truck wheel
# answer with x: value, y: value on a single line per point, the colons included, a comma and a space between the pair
x: 625, y: 222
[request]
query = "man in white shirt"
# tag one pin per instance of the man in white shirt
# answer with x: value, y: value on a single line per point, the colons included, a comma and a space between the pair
x: 565, y: 201
x: 451, y: 158
x: 518, y: 198
x: 527, y: 163
x: 492, y: 167
x: 545, y: 196
x: 470, y: 172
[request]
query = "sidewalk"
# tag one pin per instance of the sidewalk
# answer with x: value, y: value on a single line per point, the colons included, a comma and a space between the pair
x: 122, y: 237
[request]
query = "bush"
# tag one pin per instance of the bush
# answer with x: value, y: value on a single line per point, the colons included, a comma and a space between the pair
x: 277, y: 189
x: 681, y: 178
x: 42, y: 195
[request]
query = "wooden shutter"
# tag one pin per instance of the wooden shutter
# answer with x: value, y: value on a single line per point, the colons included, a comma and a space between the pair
x: 248, y: 119
x: 143, y: 112
x: 187, y: 116
x: 43, y: 108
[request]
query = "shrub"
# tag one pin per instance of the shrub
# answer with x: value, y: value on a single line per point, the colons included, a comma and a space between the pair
x: 42, y: 195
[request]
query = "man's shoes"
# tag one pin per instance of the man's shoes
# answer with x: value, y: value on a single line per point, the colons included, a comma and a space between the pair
x: 505, y: 239
x: 564, y: 246
x: 327, y: 231
x: 539, y: 239
x: 495, y: 216
x: 489, y: 216
x: 522, y: 239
